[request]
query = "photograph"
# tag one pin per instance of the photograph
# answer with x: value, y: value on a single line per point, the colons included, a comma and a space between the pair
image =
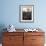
x: 26, y: 13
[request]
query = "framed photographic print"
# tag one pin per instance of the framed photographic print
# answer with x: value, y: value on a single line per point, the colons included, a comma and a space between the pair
x: 26, y: 13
